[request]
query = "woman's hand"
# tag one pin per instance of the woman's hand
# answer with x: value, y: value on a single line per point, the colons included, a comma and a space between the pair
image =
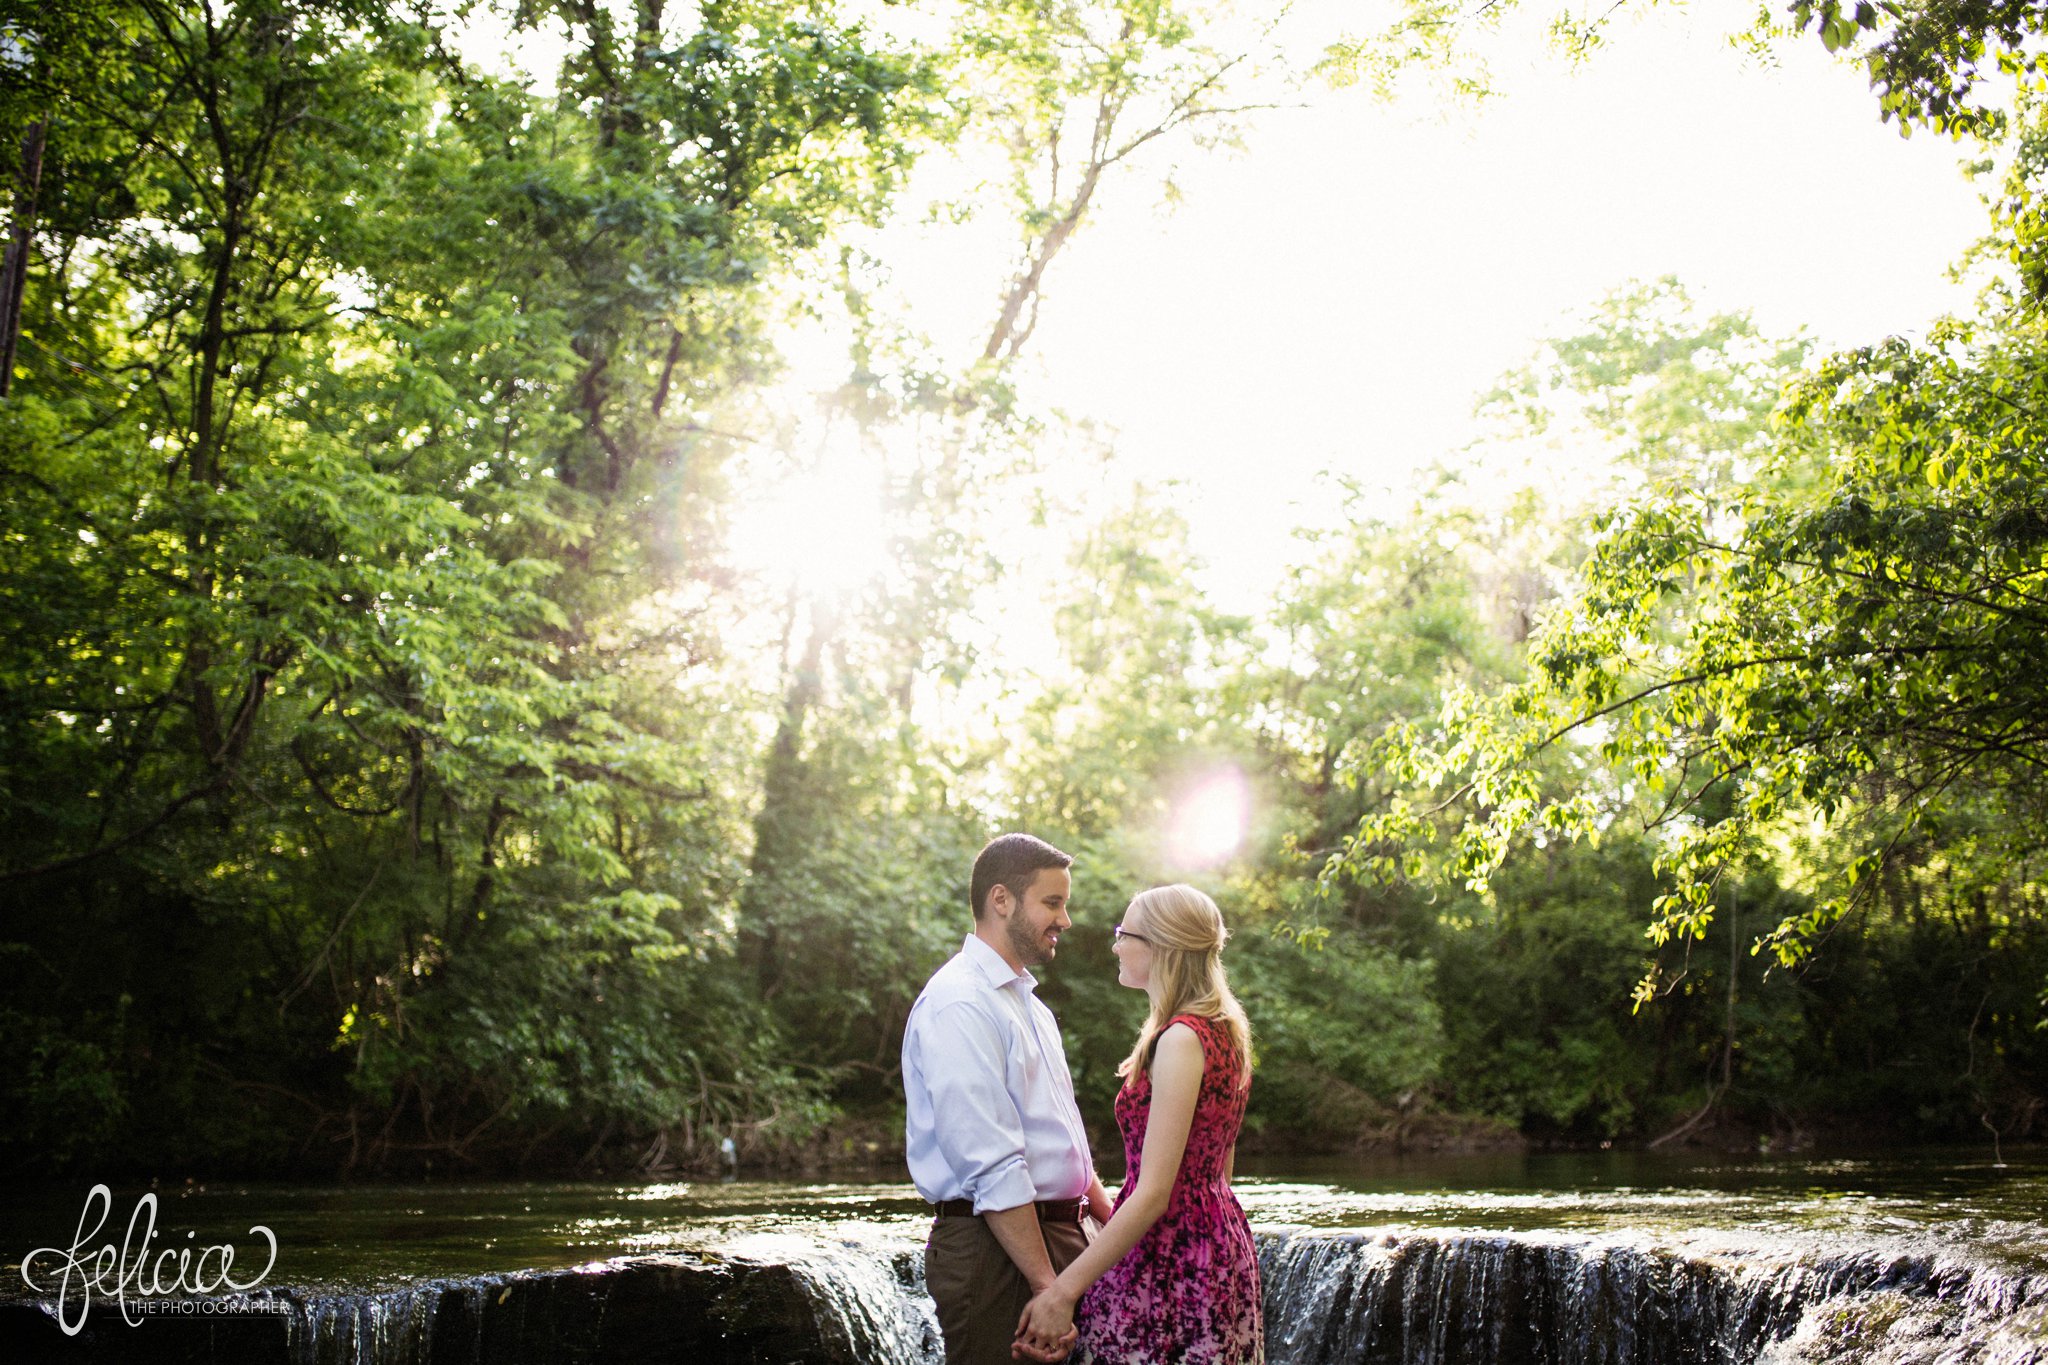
x: 1045, y: 1331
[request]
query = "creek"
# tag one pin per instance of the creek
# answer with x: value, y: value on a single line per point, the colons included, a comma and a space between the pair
x: 1606, y: 1259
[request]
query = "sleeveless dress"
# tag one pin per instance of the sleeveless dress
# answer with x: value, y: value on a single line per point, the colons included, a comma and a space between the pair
x: 1188, y: 1292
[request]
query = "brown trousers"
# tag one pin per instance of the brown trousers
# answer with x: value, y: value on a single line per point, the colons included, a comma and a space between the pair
x: 978, y: 1288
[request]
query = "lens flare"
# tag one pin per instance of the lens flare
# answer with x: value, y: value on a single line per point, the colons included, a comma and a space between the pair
x: 822, y: 531
x: 1210, y: 820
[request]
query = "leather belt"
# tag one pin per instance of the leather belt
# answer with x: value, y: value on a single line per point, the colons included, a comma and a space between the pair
x: 1049, y: 1210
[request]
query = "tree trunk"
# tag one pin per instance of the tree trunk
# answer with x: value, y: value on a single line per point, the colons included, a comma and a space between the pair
x: 778, y: 829
x: 14, y: 270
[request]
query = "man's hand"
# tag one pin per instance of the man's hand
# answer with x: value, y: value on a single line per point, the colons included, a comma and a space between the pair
x: 1046, y: 1329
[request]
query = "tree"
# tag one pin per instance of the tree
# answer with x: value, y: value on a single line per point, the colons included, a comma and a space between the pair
x: 1927, y: 60
x: 1078, y: 91
x: 1824, y: 664
x: 358, y: 433
x: 1065, y: 96
x: 1855, y: 636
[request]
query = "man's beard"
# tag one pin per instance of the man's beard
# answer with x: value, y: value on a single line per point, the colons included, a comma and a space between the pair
x: 1030, y: 947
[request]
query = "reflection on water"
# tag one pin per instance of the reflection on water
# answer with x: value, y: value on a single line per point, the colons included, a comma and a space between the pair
x: 1957, y: 1204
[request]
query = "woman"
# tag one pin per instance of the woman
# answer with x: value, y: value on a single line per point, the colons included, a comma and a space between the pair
x: 1173, y: 1278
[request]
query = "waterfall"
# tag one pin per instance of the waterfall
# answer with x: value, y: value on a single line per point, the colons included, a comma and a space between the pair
x: 1360, y: 1298
x: 760, y: 1299
x: 394, y: 1327
x: 866, y: 1295
x: 1364, y: 1298
x: 855, y: 1296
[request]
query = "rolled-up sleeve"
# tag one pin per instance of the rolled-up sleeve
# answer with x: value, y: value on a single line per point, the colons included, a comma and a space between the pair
x: 980, y: 1131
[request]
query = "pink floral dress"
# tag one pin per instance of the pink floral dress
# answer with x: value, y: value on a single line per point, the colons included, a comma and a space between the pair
x: 1188, y: 1292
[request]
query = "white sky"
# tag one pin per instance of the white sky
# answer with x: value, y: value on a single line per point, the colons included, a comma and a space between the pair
x: 1336, y: 295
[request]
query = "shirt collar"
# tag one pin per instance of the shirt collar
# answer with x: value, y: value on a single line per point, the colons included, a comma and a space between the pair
x: 993, y: 969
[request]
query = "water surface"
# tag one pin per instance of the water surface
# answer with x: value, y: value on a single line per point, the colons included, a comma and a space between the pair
x: 1957, y: 1204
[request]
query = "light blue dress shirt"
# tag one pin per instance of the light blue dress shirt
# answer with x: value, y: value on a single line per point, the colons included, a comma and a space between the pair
x: 991, y: 1114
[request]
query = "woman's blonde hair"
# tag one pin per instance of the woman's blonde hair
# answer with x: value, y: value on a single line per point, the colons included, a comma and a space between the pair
x: 1185, y: 931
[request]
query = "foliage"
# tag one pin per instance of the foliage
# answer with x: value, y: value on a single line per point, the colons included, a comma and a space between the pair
x: 1131, y: 716
x: 1349, y: 1037
x: 1123, y: 723
x: 1927, y: 60
x: 1536, y: 999
x: 860, y: 803
x: 1076, y: 92
x: 1664, y: 397
x: 360, y: 435
x: 386, y: 740
x: 1858, y: 642
x: 1802, y: 643
x: 1929, y: 1017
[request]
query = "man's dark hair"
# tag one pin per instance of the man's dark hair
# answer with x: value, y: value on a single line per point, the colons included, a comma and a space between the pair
x: 1011, y: 860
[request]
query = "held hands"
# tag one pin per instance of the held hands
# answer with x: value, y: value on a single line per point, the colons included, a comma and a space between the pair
x: 1046, y: 1331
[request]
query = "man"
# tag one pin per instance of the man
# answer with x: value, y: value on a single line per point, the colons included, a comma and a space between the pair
x: 995, y: 1140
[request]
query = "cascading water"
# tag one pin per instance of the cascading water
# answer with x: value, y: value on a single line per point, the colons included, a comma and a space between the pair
x: 1332, y: 1298
x: 363, y: 1329
x: 765, y: 1299
x: 846, y: 1303
x: 1800, y: 1263
x: 1537, y: 1299
x: 867, y: 1296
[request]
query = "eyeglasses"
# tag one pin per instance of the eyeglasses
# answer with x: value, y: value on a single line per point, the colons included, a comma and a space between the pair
x: 1119, y: 934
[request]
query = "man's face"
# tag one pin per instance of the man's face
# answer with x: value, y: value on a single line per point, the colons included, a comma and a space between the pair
x: 1038, y: 920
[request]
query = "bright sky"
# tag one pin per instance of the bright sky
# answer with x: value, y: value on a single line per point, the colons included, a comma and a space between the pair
x: 1335, y: 296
